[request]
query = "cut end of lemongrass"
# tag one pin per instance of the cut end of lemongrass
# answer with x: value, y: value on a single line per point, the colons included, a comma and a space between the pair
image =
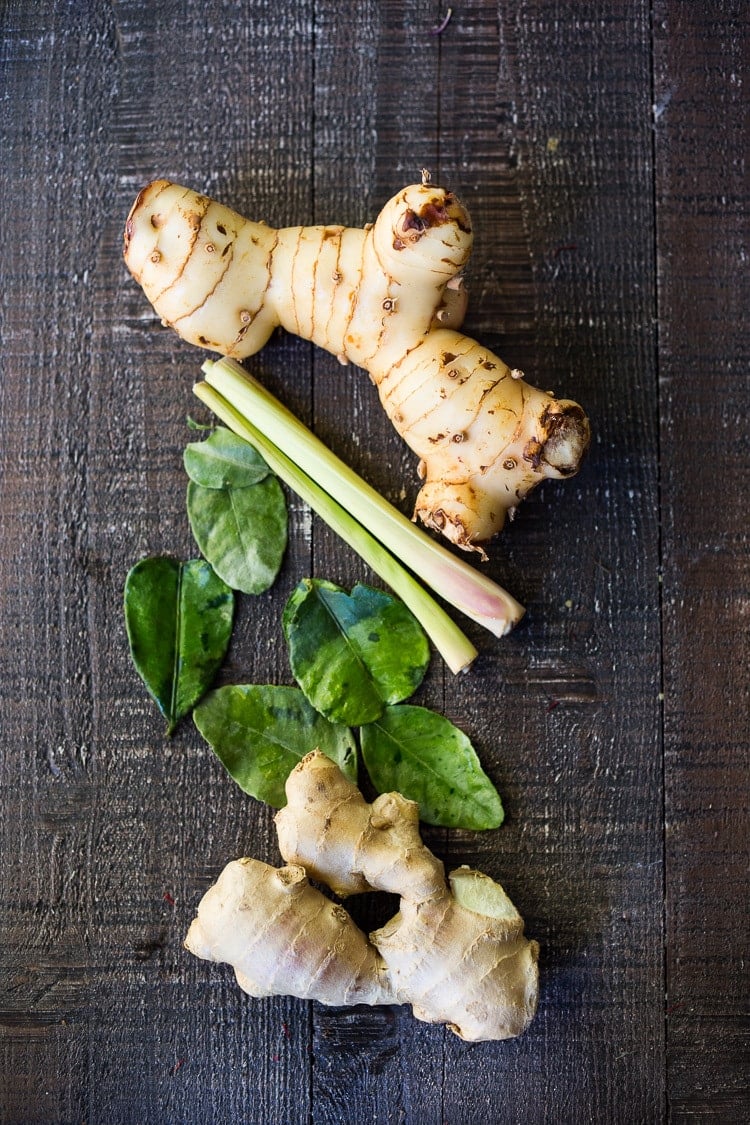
x: 490, y: 606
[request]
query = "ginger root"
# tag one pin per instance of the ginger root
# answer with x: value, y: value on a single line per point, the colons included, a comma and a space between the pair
x: 456, y: 952
x: 317, y: 951
x: 390, y: 299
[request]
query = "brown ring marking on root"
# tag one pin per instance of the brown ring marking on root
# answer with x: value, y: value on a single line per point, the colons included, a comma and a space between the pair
x: 269, y: 268
x: 196, y: 232
x: 212, y: 290
x: 395, y: 404
x: 459, y: 383
x: 262, y: 298
x: 385, y: 394
x: 425, y: 269
x: 366, y: 360
x: 517, y: 431
x: 354, y: 299
x: 388, y: 393
x: 324, y: 237
x: 384, y: 271
x: 429, y: 377
x: 252, y: 313
x: 243, y: 331
x: 389, y: 280
x: 337, y: 274
x: 293, y: 301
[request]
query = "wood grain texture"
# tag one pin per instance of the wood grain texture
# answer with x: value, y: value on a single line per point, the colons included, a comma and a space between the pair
x: 376, y: 1065
x: 571, y: 731
x: 601, y: 150
x: 701, y: 138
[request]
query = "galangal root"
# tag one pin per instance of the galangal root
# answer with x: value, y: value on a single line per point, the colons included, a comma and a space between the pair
x: 455, y: 951
x: 388, y: 298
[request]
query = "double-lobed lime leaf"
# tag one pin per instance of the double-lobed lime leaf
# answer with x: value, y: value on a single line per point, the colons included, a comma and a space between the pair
x: 429, y: 760
x: 178, y: 617
x: 236, y: 510
x: 352, y: 654
x: 260, y: 733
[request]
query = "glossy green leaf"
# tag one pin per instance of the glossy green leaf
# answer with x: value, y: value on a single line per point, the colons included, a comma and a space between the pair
x: 178, y: 617
x: 224, y: 460
x: 353, y: 653
x: 241, y: 531
x: 261, y: 732
x: 424, y: 756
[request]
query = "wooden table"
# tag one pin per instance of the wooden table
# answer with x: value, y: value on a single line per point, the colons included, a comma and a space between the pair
x: 601, y: 150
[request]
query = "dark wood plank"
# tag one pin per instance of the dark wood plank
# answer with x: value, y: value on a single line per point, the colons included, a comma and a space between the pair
x: 371, y: 139
x: 219, y: 129
x: 701, y: 136
x: 539, y: 114
x: 105, y: 1016
x: 545, y: 126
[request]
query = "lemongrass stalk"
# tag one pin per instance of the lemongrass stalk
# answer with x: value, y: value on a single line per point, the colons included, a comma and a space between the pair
x: 457, y: 583
x: 455, y: 648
